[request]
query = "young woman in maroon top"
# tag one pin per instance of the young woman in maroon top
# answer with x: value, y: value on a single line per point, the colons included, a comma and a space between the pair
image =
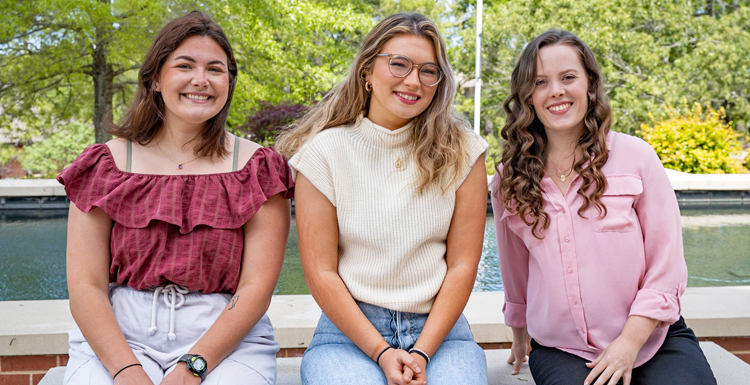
x: 164, y: 225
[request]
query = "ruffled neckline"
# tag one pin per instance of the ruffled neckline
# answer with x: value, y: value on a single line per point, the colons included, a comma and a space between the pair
x: 111, y: 160
x: 221, y: 200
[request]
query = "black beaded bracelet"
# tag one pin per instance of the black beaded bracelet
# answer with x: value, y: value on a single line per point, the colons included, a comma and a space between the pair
x: 125, y: 367
x: 421, y: 353
x: 381, y: 353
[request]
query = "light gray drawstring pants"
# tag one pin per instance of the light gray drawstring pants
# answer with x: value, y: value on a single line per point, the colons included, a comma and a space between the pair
x: 163, y: 324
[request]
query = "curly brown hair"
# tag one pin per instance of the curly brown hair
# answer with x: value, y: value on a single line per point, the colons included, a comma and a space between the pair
x: 525, y: 148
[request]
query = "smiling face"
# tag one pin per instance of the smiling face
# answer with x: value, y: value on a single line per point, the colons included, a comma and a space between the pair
x: 560, y: 96
x: 395, y: 101
x: 193, y: 82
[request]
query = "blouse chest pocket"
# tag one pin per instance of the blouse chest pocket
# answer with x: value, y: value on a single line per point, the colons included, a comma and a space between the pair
x: 619, y: 198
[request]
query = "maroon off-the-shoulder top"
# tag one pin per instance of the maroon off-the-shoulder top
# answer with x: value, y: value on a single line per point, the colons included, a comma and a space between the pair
x: 183, y: 229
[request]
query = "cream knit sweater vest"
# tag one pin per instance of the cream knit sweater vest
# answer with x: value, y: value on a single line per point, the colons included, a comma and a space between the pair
x: 392, y: 242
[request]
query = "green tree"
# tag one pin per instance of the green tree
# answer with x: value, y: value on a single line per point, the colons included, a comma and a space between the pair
x: 651, y: 53
x: 290, y: 51
x: 50, y: 156
x: 70, y: 59
x: 64, y: 60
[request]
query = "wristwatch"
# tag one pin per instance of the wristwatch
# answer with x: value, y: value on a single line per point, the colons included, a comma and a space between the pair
x: 196, y: 364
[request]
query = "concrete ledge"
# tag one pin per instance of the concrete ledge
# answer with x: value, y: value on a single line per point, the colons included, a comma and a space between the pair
x: 41, y: 327
x: 31, y: 188
x: 682, y: 181
x: 728, y: 369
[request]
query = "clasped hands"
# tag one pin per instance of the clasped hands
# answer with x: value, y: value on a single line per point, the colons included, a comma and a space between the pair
x: 402, y: 368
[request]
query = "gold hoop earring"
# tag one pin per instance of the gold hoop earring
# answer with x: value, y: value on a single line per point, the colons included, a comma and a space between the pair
x: 368, y: 86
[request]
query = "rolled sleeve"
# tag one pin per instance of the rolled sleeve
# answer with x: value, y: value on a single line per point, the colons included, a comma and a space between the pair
x: 665, y: 276
x: 657, y: 305
x: 514, y: 262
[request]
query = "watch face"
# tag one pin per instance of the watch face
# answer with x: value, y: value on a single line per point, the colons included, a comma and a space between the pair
x: 199, y: 365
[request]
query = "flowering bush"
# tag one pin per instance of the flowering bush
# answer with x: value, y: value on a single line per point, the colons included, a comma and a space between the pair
x: 695, y: 141
x: 265, y: 122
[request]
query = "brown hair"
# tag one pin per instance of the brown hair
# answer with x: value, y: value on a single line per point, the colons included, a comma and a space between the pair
x: 439, y: 134
x: 145, y: 116
x: 525, y: 149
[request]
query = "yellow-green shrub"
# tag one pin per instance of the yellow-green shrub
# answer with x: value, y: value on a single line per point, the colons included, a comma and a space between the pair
x: 695, y: 141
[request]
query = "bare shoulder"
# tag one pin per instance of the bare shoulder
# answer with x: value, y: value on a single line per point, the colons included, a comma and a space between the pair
x: 247, y: 149
x: 119, y: 150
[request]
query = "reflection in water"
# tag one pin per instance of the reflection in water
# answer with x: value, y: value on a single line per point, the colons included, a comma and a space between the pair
x: 32, y: 259
x: 717, y: 246
x: 32, y: 255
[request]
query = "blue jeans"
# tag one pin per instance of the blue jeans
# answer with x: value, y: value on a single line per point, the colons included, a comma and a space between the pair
x: 332, y: 358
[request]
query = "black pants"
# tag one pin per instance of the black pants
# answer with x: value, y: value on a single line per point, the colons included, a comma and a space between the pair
x: 679, y: 361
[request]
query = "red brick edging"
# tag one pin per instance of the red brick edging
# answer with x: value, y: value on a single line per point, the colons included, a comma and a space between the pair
x: 29, y: 370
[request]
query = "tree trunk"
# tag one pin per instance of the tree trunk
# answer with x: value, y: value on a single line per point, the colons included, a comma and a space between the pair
x: 103, y: 76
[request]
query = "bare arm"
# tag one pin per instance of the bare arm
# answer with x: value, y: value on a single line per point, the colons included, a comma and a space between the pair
x: 88, y: 260
x: 265, y: 241
x: 464, y: 250
x: 317, y: 228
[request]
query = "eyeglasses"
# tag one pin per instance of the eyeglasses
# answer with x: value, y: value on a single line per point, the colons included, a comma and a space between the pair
x: 401, y: 66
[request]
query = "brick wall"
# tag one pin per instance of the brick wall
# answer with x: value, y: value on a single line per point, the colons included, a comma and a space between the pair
x: 29, y: 370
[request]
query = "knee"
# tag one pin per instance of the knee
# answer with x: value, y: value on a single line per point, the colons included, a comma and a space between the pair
x: 325, y: 365
x: 458, y: 362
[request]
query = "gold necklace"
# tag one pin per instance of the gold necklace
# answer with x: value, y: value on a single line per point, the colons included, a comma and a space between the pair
x: 563, y: 175
x: 398, y: 162
x: 179, y: 164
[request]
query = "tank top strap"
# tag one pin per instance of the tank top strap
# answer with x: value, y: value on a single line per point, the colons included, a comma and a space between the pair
x: 235, y: 153
x: 130, y: 156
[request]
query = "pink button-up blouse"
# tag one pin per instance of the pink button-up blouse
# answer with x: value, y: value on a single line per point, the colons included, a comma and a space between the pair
x: 575, y: 288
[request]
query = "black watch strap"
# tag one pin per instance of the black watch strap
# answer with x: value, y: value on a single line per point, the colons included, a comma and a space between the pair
x: 196, y: 364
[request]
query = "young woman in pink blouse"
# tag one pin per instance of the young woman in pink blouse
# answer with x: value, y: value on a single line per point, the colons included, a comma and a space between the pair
x: 588, y: 232
x: 177, y: 229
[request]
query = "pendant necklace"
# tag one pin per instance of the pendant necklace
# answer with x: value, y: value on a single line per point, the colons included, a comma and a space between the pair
x: 179, y: 164
x: 563, y: 175
x: 398, y: 162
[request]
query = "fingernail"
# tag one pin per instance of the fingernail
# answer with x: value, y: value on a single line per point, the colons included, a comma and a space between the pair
x: 417, y: 370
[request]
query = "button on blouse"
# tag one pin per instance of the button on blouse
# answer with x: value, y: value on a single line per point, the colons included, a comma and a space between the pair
x: 575, y: 288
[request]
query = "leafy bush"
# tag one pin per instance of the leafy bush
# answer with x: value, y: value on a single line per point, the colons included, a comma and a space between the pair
x: 48, y: 157
x: 695, y: 141
x: 268, y: 120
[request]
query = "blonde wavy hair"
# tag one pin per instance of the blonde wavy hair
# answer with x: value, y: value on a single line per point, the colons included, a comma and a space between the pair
x: 439, y: 134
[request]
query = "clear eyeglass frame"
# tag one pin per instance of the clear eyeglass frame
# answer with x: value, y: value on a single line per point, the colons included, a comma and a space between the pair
x: 422, y: 67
